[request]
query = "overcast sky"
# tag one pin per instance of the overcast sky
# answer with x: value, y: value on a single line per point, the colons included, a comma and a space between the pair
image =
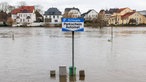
x: 84, y: 5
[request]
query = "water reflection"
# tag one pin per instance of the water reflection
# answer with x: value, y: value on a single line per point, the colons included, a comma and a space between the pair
x: 35, y: 50
x: 82, y: 78
x: 62, y: 78
x: 72, y: 78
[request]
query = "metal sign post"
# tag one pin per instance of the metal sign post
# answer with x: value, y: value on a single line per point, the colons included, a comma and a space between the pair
x: 72, y: 25
x: 73, y: 52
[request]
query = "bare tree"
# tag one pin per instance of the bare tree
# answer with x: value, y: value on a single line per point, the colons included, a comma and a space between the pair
x: 100, y: 20
x: 68, y: 15
x: 4, y: 6
x: 21, y: 3
x: 10, y: 8
x: 39, y: 8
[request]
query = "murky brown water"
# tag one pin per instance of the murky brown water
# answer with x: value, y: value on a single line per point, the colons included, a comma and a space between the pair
x: 36, y: 51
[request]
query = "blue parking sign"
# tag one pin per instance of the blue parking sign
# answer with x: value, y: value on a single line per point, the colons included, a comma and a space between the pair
x: 73, y: 24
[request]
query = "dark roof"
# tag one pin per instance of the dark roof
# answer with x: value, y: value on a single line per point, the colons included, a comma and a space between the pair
x: 68, y: 9
x: 111, y: 10
x: 52, y: 11
x: 120, y: 10
x: 82, y: 15
x: 86, y: 13
x: 142, y: 12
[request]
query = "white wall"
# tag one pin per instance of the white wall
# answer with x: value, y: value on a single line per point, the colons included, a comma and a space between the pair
x: 53, y: 18
x: 75, y: 13
x: 23, y: 17
x: 92, y: 14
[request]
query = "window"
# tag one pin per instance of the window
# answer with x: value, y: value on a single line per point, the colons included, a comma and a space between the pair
x: 17, y: 17
x: 53, y: 16
x: 139, y: 19
x: 56, y: 20
x: 57, y: 16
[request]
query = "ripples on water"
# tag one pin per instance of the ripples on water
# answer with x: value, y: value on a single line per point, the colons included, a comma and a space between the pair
x: 36, y: 51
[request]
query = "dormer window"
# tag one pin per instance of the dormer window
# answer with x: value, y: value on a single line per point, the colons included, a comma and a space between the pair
x: 28, y: 17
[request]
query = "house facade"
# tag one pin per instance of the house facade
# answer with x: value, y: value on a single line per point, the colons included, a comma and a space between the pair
x: 116, y: 17
x: 24, y: 15
x: 133, y: 18
x: 72, y: 13
x: 90, y: 15
x: 125, y: 16
x: 52, y: 16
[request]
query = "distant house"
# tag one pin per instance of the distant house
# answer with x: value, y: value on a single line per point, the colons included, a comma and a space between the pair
x: 72, y: 13
x: 90, y: 15
x: 133, y: 18
x: 3, y: 18
x: 53, y: 16
x: 142, y: 12
x: 24, y: 15
x: 116, y: 16
x: 126, y: 16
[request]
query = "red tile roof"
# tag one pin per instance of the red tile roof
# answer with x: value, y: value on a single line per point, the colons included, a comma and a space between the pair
x: 23, y: 9
x: 120, y: 10
x: 127, y: 14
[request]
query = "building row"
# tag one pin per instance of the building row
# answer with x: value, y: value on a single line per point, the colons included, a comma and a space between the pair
x: 27, y: 15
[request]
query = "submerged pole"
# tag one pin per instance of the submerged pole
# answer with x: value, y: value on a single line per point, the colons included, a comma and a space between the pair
x: 13, y: 37
x: 111, y: 33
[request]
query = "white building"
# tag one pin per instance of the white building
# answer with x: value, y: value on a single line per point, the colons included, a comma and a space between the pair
x: 72, y: 12
x: 90, y: 15
x: 24, y: 15
x: 52, y: 16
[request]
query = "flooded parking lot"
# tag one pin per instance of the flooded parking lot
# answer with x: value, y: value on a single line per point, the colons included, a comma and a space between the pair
x: 36, y: 51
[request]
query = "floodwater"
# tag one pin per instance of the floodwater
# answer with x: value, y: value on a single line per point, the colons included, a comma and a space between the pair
x: 36, y: 51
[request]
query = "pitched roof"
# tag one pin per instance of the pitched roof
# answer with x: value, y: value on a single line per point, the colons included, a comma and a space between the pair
x: 87, y: 12
x: 120, y: 10
x: 127, y: 14
x: 23, y: 9
x: 68, y: 9
x: 52, y: 11
x: 82, y: 15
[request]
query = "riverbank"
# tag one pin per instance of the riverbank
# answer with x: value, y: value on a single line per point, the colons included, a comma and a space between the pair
x: 85, y: 25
